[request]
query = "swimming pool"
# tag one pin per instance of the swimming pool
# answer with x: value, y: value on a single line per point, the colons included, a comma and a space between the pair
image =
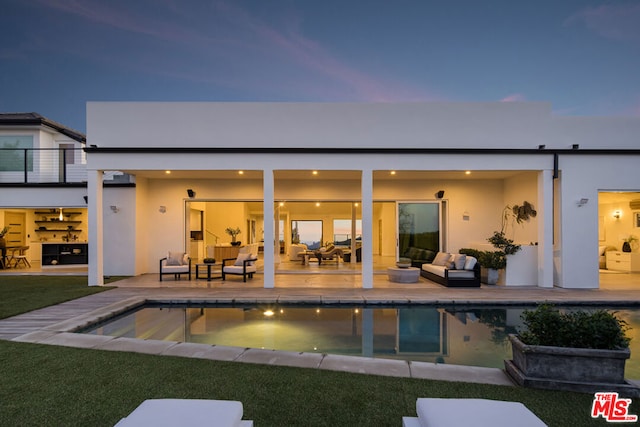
x: 457, y: 335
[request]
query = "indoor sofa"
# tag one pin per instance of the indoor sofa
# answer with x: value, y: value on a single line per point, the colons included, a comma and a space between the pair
x: 452, y: 270
x: 418, y: 256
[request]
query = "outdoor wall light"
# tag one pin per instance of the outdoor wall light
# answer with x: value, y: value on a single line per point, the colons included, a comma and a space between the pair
x: 162, y: 209
x: 86, y: 199
x: 191, y: 193
x: 582, y: 202
x: 440, y: 194
x: 114, y: 208
x: 616, y: 214
x: 542, y: 147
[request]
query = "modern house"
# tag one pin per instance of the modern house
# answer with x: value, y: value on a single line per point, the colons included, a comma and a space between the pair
x: 325, y: 172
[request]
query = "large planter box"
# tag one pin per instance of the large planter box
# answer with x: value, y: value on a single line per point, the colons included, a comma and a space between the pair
x: 574, y: 369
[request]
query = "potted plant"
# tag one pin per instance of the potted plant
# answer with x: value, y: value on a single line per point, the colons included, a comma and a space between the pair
x: 581, y: 351
x: 491, y: 262
x: 626, y: 246
x: 233, y: 232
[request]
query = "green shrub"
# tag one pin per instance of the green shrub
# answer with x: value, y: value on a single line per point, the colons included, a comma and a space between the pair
x: 487, y: 259
x: 597, y: 329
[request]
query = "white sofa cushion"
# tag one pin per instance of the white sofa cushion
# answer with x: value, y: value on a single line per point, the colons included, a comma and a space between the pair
x: 458, y: 261
x: 470, y: 263
x: 435, y: 269
x: 442, y: 258
x: 461, y: 274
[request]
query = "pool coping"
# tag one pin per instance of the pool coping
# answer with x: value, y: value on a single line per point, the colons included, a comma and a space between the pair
x: 64, y: 334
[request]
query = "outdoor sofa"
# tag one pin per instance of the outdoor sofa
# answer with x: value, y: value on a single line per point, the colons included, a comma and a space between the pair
x: 452, y: 270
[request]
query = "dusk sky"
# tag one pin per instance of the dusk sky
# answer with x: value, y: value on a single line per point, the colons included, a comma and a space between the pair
x: 581, y: 56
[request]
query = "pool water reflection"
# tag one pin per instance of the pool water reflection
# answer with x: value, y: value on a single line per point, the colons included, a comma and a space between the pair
x: 469, y: 335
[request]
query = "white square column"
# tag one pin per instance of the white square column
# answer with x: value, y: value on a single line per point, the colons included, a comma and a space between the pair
x: 545, y: 229
x: 367, y: 229
x: 269, y: 228
x: 96, y: 228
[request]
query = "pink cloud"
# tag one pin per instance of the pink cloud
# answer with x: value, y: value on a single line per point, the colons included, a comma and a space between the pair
x: 225, y: 36
x: 617, y: 22
x: 514, y: 97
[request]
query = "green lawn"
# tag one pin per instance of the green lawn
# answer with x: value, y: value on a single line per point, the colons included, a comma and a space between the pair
x: 19, y: 294
x: 49, y: 385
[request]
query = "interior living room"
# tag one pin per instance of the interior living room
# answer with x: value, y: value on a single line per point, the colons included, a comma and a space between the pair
x: 618, y: 236
x: 322, y: 209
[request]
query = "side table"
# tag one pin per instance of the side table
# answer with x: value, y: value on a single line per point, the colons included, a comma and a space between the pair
x: 208, y: 267
x: 403, y: 275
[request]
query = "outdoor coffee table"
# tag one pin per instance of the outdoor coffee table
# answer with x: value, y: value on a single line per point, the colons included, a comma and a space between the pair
x: 208, y: 267
x: 403, y: 275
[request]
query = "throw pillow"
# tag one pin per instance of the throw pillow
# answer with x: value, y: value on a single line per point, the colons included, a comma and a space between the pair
x: 174, y: 258
x: 442, y: 258
x: 458, y: 261
x: 470, y: 263
x: 241, y: 258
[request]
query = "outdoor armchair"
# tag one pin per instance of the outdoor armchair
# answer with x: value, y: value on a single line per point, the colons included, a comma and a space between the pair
x: 175, y: 263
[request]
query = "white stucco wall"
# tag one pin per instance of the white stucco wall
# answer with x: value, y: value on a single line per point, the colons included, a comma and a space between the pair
x: 584, y: 177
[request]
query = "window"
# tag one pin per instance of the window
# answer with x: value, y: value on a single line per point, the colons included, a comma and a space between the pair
x: 342, y: 231
x: 13, y: 152
x: 307, y: 232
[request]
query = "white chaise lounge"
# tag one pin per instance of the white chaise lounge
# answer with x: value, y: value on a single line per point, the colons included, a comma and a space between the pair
x: 471, y: 412
x: 186, y: 412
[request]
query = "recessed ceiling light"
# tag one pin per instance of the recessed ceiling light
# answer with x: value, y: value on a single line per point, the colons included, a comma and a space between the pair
x: 240, y: 172
x: 315, y: 172
x: 167, y: 172
x: 392, y: 172
x: 467, y: 172
x: 317, y: 203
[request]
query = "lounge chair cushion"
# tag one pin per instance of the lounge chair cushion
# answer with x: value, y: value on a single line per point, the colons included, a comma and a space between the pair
x: 474, y: 412
x: 241, y: 258
x: 175, y: 412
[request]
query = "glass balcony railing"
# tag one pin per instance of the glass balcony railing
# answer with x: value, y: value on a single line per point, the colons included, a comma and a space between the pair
x: 49, y: 165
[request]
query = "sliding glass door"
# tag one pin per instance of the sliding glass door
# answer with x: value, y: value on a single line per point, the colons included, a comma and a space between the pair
x: 419, y: 227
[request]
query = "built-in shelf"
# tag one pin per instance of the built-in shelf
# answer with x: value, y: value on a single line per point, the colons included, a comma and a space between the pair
x: 64, y: 254
x: 50, y: 222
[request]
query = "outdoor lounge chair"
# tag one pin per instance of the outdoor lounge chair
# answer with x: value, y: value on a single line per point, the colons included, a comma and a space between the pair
x: 175, y: 263
x: 178, y: 412
x: 244, y: 265
x: 471, y: 412
x: 330, y: 253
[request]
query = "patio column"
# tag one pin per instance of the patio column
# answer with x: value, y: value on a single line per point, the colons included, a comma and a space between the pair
x: 269, y: 230
x: 96, y: 228
x: 367, y: 229
x: 353, y: 233
x: 545, y: 229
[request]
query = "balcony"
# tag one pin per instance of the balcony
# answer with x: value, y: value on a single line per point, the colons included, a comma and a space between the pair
x: 50, y: 166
